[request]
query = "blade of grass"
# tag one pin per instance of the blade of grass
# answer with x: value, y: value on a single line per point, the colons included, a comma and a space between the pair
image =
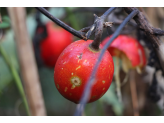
x: 0, y: 16
x: 16, y: 78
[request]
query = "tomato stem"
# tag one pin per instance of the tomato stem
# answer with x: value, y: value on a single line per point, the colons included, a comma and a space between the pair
x: 99, y: 25
x: 98, y: 33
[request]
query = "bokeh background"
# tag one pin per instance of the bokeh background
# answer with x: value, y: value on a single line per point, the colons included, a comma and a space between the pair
x: 11, y: 103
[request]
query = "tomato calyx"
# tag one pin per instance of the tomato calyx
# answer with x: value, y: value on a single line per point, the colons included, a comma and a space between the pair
x: 91, y: 48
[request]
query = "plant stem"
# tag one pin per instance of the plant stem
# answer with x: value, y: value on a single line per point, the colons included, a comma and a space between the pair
x: 99, y: 25
x: 0, y: 16
x: 117, y: 80
x: 16, y: 78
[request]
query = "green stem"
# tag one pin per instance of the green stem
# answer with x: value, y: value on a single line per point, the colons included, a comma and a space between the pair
x: 117, y: 79
x: 0, y: 92
x: 16, y: 78
x: 0, y: 16
x: 72, y: 18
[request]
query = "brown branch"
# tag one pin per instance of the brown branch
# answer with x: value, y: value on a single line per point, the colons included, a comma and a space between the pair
x: 97, y: 27
x: 143, y: 17
x: 151, y: 32
x: 27, y: 62
x: 144, y: 24
x: 85, y: 29
x: 61, y: 24
x: 158, y: 32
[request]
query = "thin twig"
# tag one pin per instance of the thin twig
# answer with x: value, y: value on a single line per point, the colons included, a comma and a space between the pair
x: 85, y: 29
x: 97, y: 27
x: 62, y: 24
x: 134, y: 93
x: 145, y: 26
x: 100, y: 20
x: 143, y: 19
x: 108, y: 12
x: 88, y: 86
x: 143, y: 11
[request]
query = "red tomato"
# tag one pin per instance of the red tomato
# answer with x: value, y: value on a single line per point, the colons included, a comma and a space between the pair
x: 130, y: 47
x: 73, y: 68
x: 54, y: 43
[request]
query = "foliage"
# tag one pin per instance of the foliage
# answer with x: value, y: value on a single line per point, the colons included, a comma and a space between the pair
x: 8, y: 45
x: 5, y: 22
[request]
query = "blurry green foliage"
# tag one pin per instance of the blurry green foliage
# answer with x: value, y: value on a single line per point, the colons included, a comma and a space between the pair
x: 110, y: 98
x: 55, y: 103
x: 5, y: 75
x: 5, y: 22
x: 8, y: 45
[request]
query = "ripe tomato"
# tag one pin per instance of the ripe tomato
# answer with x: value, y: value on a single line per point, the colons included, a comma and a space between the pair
x: 54, y: 43
x: 73, y: 68
x: 129, y: 50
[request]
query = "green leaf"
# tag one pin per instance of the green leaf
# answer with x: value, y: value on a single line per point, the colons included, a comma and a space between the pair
x: 6, y: 19
x: 110, y: 98
x: 94, y: 109
x: 72, y: 18
x: 4, y: 25
x: 5, y: 22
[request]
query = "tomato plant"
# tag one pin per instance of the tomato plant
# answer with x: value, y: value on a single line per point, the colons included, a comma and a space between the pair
x: 73, y: 69
x: 82, y: 73
x: 55, y: 42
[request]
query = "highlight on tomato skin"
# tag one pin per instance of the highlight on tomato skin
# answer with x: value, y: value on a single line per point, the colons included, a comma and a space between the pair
x: 52, y: 46
x: 129, y: 49
x: 73, y: 69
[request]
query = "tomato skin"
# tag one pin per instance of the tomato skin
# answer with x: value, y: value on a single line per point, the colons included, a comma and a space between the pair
x: 54, y: 44
x: 130, y: 46
x: 73, y: 68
